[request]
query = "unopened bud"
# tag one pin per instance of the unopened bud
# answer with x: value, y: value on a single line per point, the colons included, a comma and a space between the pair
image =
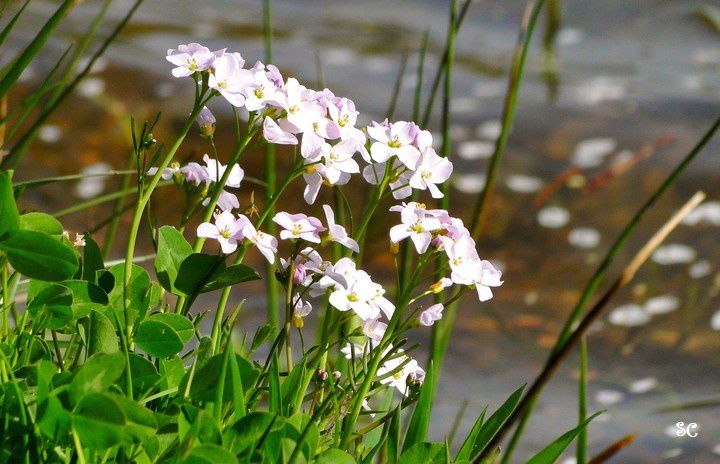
x: 336, y: 375
x: 394, y: 248
x: 298, y: 322
x: 206, y: 120
x: 322, y: 375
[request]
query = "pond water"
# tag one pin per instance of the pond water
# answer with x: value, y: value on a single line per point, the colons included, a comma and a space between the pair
x: 634, y: 84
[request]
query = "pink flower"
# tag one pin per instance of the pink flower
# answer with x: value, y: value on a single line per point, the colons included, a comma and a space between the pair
x: 431, y: 314
x: 229, y: 79
x: 299, y: 226
x: 416, y: 224
x: 206, y: 121
x: 265, y: 243
x: 275, y: 134
x: 216, y: 170
x: 189, y: 59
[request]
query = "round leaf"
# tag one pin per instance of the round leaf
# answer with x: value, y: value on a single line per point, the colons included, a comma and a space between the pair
x: 181, y: 324
x: 158, y: 339
x: 40, y: 256
x: 41, y: 222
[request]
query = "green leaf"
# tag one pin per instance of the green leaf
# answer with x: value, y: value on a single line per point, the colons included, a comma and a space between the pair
x: 423, y: 453
x: 232, y: 275
x: 334, y: 456
x: 195, y: 271
x: 99, y: 422
x: 92, y: 260
x: 97, y: 374
x: 206, y: 379
x: 275, y: 395
x: 172, y: 249
x: 53, y: 419
x: 420, y: 420
x: 138, y: 291
x: 41, y: 222
x: 158, y: 339
x: 553, y: 451
x: 9, y: 217
x: 249, y: 430
x: 86, y: 292
x: 210, y: 454
x: 496, y: 420
x: 39, y: 256
x: 102, y: 337
x: 172, y: 371
x: 144, y: 374
x: 181, y: 324
x: 52, y: 307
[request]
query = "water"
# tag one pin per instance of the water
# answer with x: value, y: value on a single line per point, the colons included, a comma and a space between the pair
x: 625, y: 75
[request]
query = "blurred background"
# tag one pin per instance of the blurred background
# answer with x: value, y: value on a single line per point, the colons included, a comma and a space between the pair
x: 627, y: 89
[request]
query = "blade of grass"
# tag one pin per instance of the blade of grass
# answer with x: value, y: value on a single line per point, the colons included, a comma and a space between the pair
x: 466, y: 449
x: 23, y: 144
x: 395, y: 95
x: 441, y: 69
x: 556, y: 448
x: 480, y: 211
x: 557, y: 357
x: 420, y: 420
x: 11, y: 24
x: 613, y: 449
x: 33, y: 48
x: 581, y: 454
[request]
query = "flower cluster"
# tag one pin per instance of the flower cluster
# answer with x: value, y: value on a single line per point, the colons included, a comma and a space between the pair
x: 426, y: 227
x: 396, y: 156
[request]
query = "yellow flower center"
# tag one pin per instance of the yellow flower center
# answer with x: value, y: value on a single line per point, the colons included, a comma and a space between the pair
x: 225, y: 233
x: 343, y: 121
x: 259, y: 93
x: 394, y: 143
x: 426, y: 175
x: 297, y: 229
x: 417, y: 228
x: 353, y: 297
x: 293, y: 109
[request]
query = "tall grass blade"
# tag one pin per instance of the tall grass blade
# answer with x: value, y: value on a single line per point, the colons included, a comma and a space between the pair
x: 465, y: 452
x: 553, y: 451
x: 11, y: 24
x: 581, y: 454
x: 495, y: 422
x: 16, y: 68
x: 480, y: 211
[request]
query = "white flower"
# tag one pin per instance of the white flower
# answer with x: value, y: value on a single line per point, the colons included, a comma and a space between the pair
x: 337, y: 233
x: 355, y: 297
x: 338, y: 159
x: 265, y: 243
x: 229, y: 79
x: 226, y: 231
x: 394, y: 139
x: 416, y: 224
x: 431, y: 170
x: 190, y: 59
x: 216, y: 170
x: 397, y: 370
x: 299, y: 226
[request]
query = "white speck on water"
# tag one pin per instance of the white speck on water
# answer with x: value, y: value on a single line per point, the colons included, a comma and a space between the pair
x: 700, y: 269
x: 341, y: 57
x: 600, y: 89
x: 205, y: 29
x: 670, y: 431
x: 629, y: 315
x: 708, y: 212
x: 674, y: 253
x: 378, y: 64
x: 706, y: 56
x: 692, y: 82
x: 569, y: 36
x: 644, y: 385
x: 523, y: 184
x: 553, y: 217
x: 90, y: 187
x: 463, y: 105
x: 164, y: 89
x: 662, y: 304
x: 672, y: 453
x: 591, y: 153
x: 489, y: 89
x: 716, y: 450
x: 469, y: 183
x: 489, y: 130
x: 476, y: 149
x: 715, y: 321
x: 456, y: 132
x: 609, y: 397
x: 570, y: 460
x: 49, y: 133
x: 584, y: 238
x: 90, y: 87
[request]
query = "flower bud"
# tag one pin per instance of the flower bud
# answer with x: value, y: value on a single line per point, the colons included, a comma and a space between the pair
x: 336, y: 375
x: 298, y: 322
x: 394, y: 248
x: 322, y: 375
x: 206, y: 120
